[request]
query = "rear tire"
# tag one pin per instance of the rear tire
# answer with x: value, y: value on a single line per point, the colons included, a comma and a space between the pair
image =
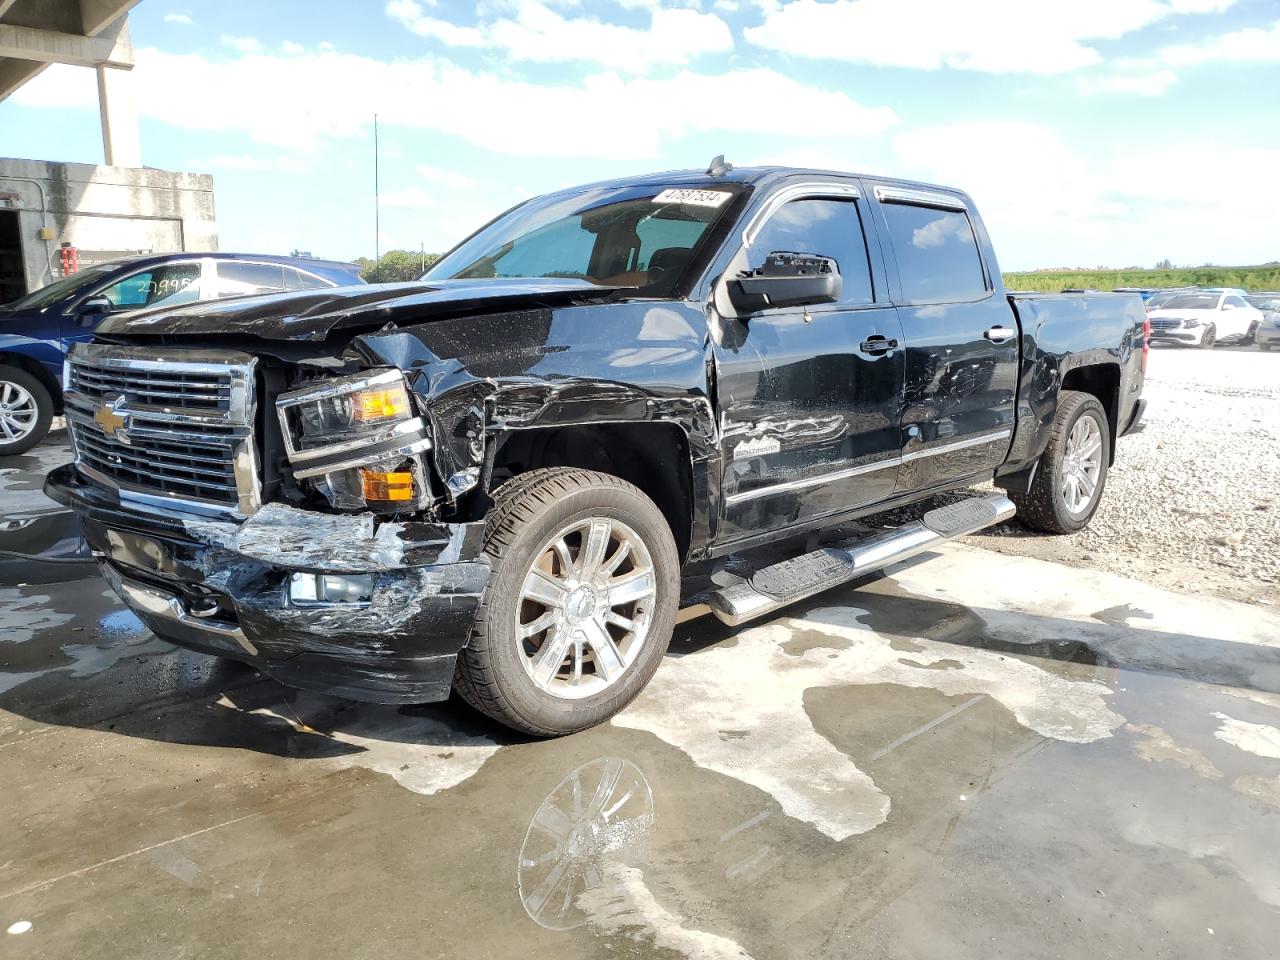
x: 596, y: 651
x: 26, y: 410
x: 1062, y: 470
x: 1209, y: 338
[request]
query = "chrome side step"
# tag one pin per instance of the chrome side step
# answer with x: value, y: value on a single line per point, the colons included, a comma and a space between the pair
x: 783, y: 583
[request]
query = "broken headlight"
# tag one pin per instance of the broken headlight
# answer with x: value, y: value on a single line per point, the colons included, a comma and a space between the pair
x: 356, y: 440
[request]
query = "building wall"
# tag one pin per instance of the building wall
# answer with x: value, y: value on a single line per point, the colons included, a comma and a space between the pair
x: 105, y: 212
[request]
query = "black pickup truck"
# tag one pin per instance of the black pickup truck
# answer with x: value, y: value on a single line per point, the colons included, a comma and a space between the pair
x: 502, y: 479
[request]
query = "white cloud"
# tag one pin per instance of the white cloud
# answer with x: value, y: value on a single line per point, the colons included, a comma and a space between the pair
x: 291, y: 48
x: 1142, y: 84
x: 184, y: 19
x: 1257, y: 44
x: 538, y: 34
x: 246, y: 45
x: 1041, y: 196
x: 414, y: 198
x: 995, y: 36
x: 518, y: 117
x: 251, y: 162
x: 443, y: 177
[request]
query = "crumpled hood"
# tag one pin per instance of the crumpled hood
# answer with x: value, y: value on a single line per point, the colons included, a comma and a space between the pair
x: 314, y: 314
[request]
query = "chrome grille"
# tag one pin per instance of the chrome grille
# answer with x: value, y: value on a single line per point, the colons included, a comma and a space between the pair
x: 1165, y: 323
x: 154, y: 387
x: 164, y: 426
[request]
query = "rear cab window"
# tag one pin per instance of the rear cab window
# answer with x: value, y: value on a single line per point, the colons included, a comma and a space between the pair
x: 936, y: 249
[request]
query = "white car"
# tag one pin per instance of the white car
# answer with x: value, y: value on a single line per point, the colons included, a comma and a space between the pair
x: 1203, y: 318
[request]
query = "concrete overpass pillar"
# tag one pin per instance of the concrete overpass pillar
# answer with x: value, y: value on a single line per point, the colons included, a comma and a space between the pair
x: 121, y: 144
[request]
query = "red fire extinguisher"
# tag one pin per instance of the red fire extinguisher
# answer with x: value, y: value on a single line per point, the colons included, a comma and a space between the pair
x: 69, y: 258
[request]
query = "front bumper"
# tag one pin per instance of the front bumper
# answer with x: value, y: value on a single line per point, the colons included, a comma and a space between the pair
x: 1178, y: 336
x: 222, y: 588
x: 1268, y: 335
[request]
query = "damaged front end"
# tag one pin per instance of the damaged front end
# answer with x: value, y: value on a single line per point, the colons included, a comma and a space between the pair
x: 276, y: 511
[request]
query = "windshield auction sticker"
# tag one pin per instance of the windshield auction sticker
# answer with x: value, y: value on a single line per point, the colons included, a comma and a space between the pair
x: 693, y: 198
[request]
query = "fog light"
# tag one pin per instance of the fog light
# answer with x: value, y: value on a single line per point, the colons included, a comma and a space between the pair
x: 386, y: 486
x: 309, y: 589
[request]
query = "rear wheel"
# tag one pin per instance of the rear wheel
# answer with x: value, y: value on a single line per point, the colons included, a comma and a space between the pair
x: 1072, y: 472
x: 26, y: 409
x: 581, y: 605
x: 1209, y: 338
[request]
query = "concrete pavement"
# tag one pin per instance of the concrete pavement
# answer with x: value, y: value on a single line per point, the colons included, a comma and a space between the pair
x: 974, y: 756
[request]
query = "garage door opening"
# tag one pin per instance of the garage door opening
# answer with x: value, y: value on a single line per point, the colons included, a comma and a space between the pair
x: 13, y: 281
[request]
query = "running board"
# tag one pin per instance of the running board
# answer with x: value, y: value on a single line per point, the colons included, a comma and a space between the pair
x: 783, y: 583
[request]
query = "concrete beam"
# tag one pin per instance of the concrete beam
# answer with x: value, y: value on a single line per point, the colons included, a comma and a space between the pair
x: 113, y: 48
x: 96, y: 15
x: 5, y: 5
x: 14, y: 73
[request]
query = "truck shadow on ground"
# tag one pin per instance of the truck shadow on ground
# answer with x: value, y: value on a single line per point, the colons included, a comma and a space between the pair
x: 137, y: 687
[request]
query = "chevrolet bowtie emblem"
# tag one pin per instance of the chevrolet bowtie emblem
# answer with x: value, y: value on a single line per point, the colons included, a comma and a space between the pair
x: 112, y: 422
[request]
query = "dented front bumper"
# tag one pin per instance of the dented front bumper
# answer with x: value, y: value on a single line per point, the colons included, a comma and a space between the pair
x: 223, y: 588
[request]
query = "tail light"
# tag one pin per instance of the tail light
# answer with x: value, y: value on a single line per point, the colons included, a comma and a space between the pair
x: 1146, y: 341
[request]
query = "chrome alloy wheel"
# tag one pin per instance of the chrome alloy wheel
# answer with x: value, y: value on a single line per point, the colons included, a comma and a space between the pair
x: 585, y: 607
x: 1082, y: 465
x: 18, y: 412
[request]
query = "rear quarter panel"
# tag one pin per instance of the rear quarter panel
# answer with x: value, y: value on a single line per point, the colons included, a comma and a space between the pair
x: 1064, y: 332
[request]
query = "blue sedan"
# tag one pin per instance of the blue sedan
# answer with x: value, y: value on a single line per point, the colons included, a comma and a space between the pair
x: 37, y: 330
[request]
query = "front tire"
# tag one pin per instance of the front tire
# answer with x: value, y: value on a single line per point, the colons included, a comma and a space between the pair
x: 1209, y: 338
x: 1072, y: 472
x: 581, y: 604
x: 26, y: 410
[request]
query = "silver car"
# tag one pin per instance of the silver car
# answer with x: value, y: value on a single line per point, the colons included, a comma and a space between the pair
x: 1268, y: 335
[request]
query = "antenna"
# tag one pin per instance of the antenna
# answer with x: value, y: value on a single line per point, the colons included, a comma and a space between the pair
x: 377, y: 212
x: 719, y: 167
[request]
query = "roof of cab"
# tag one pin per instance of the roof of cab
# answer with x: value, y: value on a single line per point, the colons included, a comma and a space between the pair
x: 751, y: 176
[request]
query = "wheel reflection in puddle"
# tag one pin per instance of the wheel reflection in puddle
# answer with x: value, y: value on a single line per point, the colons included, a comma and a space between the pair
x: 597, y: 812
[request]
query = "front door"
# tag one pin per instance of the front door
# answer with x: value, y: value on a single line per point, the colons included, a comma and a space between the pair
x: 961, y: 339
x: 808, y: 397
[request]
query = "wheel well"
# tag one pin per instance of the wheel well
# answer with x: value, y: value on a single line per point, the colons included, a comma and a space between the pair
x: 37, y: 370
x: 653, y: 456
x: 1103, y: 381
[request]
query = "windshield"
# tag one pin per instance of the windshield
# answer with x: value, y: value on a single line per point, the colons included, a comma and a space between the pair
x: 641, y: 237
x: 1265, y: 302
x: 61, y: 289
x: 1192, y: 301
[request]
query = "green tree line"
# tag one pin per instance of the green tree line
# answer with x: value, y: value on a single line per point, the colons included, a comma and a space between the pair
x: 1261, y: 277
x: 396, y: 266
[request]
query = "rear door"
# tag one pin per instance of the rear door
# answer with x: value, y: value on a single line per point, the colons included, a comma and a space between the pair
x: 961, y: 357
x: 808, y: 398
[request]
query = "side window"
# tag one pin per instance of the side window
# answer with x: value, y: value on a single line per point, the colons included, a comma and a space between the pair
x: 168, y: 285
x: 937, y: 253
x: 238, y: 278
x: 297, y: 280
x: 823, y: 227
x: 1236, y: 302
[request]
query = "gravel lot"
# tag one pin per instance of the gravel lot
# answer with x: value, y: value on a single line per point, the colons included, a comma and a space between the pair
x: 1193, y: 501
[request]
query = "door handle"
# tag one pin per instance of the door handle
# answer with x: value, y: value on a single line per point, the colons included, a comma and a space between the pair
x: 999, y: 334
x: 878, y: 344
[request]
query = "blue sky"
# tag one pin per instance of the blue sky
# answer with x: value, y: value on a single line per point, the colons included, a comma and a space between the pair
x: 1090, y: 132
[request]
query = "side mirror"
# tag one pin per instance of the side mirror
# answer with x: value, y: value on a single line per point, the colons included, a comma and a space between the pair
x: 1228, y: 306
x: 786, y: 280
x: 95, y: 307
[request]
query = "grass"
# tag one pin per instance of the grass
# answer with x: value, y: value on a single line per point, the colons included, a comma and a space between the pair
x: 1263, y: 277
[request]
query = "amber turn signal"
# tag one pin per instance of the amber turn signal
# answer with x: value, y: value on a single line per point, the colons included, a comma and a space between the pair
x: 386, y: 486
x: 381, y: 404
